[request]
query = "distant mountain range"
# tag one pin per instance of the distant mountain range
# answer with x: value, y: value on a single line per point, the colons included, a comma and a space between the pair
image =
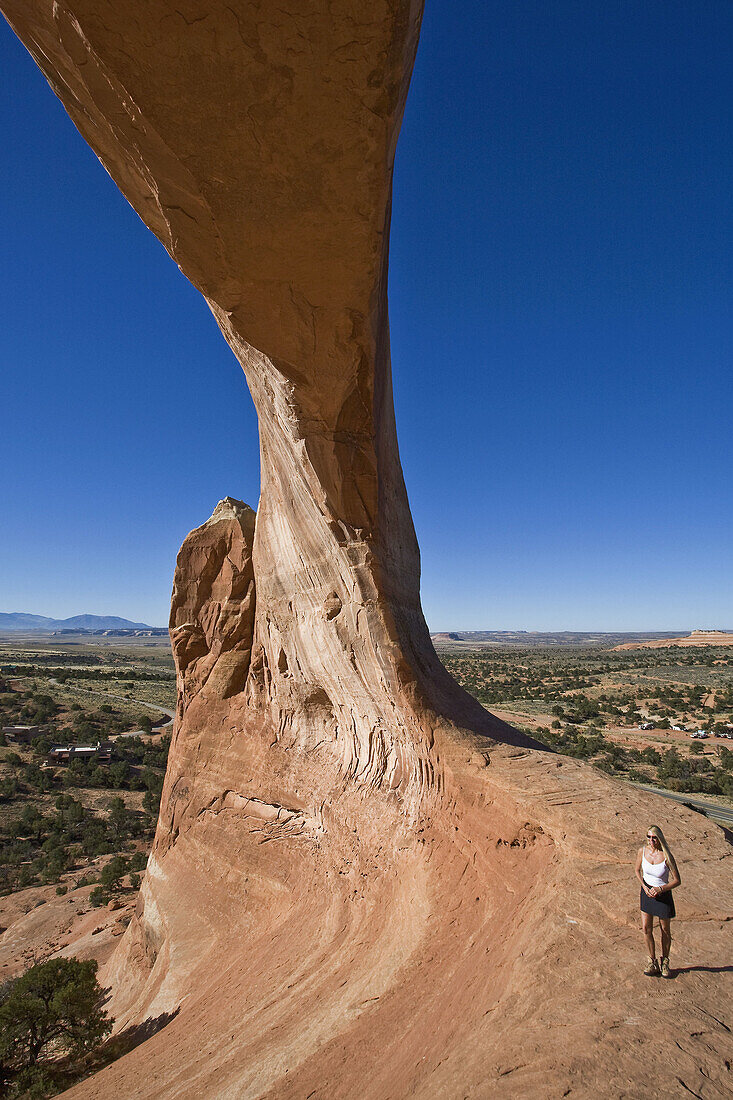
x: 22, y: 622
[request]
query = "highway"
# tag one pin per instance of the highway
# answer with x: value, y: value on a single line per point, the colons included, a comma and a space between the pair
x: 723, y: 814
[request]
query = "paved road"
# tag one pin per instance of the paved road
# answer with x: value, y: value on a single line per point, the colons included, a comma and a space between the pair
x: 710, y: 809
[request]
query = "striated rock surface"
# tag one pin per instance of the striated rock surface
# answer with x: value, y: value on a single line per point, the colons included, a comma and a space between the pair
x: 362, y: 884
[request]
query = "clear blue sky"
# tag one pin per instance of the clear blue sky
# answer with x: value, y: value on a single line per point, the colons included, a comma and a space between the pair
x: 560, y: 291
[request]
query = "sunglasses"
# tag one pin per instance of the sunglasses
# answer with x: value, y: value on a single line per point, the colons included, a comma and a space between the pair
x: 651, y: 836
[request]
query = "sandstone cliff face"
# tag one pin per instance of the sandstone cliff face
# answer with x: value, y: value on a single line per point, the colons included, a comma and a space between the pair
x: 213, y: 605
x: 362, y: 884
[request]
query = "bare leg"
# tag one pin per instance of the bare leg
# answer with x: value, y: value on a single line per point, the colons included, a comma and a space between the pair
x: 647, y: 927
x: 666, y: 936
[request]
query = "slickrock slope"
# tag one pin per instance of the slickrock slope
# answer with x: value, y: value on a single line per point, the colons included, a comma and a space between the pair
x: 362, y: 885
x: 37, y: 924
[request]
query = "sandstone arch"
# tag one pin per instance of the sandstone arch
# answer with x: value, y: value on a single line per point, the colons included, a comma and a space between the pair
x: 362, y: 884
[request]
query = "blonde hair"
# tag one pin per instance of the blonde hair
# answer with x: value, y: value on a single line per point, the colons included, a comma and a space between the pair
x: 657, y: 832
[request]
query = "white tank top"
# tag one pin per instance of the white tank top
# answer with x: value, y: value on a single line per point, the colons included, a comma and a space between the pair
x: 654, y: 874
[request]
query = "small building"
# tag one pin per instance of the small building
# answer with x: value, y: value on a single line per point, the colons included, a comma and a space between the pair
x: 21, y: 735
x: 63, y: 754
x: 84, y: 752
x: 60, y: 754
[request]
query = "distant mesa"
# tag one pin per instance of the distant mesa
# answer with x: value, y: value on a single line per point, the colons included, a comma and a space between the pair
x: 477, y: 639
x: 22, y: 623
x: 696, y: 639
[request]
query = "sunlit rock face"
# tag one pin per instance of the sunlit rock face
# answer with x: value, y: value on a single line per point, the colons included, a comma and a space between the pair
x: 362, y: 884
x: 213, y: 605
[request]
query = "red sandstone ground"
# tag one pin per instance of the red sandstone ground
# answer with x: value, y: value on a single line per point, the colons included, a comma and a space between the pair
x: 492, y: 950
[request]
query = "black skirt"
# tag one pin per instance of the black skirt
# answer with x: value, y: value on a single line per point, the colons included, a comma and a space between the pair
x: 663, y: 906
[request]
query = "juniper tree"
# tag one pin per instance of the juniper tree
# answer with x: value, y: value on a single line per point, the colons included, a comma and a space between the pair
x: 54, y: 1009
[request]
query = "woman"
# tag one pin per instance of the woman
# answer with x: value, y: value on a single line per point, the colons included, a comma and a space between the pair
x: 657, y: 872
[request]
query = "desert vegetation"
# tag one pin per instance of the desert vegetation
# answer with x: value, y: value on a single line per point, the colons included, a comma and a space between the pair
x: 591, y: 702
x: 60, y: 821
x: 52, y: 1021
x: 131, y: 676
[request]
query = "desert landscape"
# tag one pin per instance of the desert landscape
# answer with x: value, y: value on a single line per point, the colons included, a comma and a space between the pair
x: 73, y: 908
x: 361, y: 882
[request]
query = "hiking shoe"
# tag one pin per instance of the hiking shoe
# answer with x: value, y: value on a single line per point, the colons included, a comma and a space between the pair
x: 665, y: 967
x: 652, y: 967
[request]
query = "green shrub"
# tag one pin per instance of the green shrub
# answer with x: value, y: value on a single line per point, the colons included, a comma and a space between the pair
x: 98, y: 897
x: 138, y: 861
x: 113, y: 873
x: 54, y: 1008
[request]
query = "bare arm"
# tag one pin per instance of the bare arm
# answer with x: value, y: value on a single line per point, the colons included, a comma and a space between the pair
x: 637, y: 871
x: 674, y: 880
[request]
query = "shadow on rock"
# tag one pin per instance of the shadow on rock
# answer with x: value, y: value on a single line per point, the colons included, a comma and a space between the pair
x: 703, y: 970
x: 127, y: 1040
